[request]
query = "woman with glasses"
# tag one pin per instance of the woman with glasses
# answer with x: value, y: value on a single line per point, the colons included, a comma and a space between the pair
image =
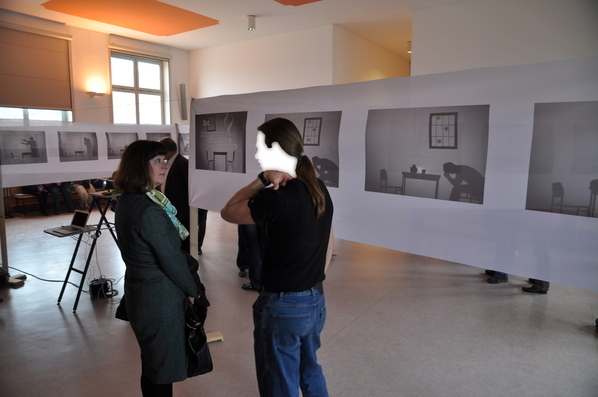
x: 157, y: 279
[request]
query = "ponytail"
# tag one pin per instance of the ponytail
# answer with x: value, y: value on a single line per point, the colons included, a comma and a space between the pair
x: 307, y: 173
x: 288, y: 137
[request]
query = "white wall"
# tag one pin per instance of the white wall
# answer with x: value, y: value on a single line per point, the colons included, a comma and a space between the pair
x: 285, y: 61
x: 483, y: 33
x: 312, y: 57
x: 356, y: 59
x: 90, y: 60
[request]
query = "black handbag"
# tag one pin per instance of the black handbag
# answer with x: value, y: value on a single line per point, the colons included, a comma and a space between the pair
x: 199, y: 360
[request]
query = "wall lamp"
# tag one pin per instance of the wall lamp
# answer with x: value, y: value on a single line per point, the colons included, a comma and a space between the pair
x: 93, y: 93
x: 251, y: 22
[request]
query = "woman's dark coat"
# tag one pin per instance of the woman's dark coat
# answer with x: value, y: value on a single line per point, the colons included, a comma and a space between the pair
x: 157, y: 283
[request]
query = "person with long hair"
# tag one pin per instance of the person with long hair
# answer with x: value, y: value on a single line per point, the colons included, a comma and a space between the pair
x: 157, y: 279
x: 295, y: 210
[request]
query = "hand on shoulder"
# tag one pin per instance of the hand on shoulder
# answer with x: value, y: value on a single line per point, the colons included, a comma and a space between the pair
x: 277, y: 178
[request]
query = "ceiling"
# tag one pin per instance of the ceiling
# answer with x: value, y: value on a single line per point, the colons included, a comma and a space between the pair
x: 386, y: 23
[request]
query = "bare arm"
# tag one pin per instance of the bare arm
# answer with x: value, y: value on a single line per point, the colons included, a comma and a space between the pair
x: 330, y: 250
x: 236, y: 209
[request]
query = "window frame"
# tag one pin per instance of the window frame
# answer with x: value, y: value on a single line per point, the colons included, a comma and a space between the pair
x: 448, y: 138
x: 66, y: 115
x: 163, y: 92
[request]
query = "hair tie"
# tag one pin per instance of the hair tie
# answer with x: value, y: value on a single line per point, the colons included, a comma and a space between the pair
x: 301, y: 154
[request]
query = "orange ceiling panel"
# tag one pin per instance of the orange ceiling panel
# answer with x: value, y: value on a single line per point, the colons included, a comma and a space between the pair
x: 295, y: 2
x: 148, y: 16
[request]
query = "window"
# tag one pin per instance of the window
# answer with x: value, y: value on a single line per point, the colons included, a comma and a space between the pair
x: 139, y: 93
x: 443, y: 131
x: 311, y: 131
x: 35, y: 114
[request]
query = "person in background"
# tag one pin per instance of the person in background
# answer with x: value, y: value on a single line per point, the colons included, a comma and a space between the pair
x: 249, y: 257
x: 40, y: 193
x: 177, y: 191
x: 58, y: 188
x: 497, y: 277
x: 176, y: 187
x: 157, y: 278
x: 83, y: 188
x: 537, y: 286
x: 295, y: 209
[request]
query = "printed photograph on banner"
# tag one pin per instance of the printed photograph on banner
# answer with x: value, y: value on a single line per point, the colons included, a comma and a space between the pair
x: 320, y: 132
x: 563, y: 170
x: 117, y: 142
x: 437, y: 152
x: 77, y: 146
x: 23, y: 147
x: 184, y: 144
x: 156, y: 136
x: 220, y: 141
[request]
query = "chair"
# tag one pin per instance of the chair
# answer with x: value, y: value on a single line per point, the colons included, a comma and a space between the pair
x: 558, y: 194
x: 210, y: 161
x: 231, y: 162
x: 384, y: 184
x: 593, y: 193
x: 468, y: 197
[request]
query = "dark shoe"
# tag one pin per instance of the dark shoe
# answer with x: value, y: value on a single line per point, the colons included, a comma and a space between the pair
x: 490, y: 272
x: 242, y: 273
x: 534, y: 289
x: 532, y: 280
x: 497, y: 280
x: 250, y: 287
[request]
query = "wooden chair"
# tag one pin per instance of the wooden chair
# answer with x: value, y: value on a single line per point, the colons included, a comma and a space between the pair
x: 231, y: 163
x: 558, y: 201
x: 210, y: 162
x: 384, y: 187
x: 593, y: 193
x: 468, y: 197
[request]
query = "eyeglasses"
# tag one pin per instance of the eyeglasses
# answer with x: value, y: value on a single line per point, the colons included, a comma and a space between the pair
x: 159, y: 161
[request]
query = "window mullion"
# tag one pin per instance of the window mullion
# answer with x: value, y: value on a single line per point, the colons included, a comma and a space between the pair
x: 136, y: 71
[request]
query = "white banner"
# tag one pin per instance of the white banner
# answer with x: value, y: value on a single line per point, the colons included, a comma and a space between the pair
x: 483, y: 120
x: 34, y: 153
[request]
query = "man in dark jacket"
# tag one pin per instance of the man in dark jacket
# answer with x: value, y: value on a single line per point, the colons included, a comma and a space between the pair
x: 176, y: 187
x: 177, y: 191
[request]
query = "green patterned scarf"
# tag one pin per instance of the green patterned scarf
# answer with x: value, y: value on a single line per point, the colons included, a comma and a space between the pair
x: 157, y: 197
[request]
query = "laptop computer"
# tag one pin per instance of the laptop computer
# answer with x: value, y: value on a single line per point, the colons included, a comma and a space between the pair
x: 78, y: 222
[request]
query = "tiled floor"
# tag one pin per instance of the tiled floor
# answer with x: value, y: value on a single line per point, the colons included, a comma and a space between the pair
x: 399, y: 325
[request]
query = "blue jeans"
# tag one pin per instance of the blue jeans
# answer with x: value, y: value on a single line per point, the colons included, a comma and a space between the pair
x: 286, y: 338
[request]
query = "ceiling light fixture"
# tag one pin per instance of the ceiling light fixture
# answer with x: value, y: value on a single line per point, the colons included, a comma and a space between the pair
x: 408, y: 47
x: 251, y: 22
